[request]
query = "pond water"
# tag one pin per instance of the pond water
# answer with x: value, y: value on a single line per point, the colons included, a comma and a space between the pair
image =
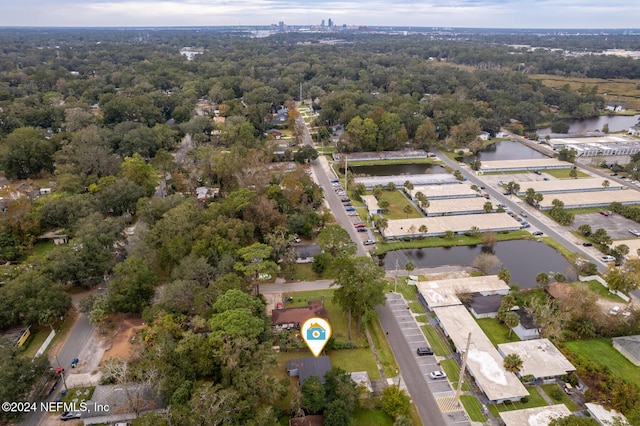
x: 397, y: 169
x: 616, y: 124
x: 506, y: 150
x: 523, y: 258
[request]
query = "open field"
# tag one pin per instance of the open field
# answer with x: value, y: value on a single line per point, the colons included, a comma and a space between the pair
x: 352, y: 360
x: 397, y: 201
x: 601, y: 352
x: 618, y: 91
x: 374, y: 417
x: 564, y: 174
x: 496, y: 332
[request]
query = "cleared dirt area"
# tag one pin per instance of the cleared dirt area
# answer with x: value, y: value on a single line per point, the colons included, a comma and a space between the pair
x: 120, y: 341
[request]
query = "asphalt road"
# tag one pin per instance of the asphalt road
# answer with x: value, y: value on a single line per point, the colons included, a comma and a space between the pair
x: 78, y: 337
x: 324, y: 175
x: 418, y: 389
x: 498, y: 197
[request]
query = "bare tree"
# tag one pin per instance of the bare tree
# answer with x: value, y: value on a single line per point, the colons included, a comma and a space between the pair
x: 486, y: 262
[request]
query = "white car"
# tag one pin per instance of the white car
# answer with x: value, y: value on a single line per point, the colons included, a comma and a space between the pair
x: 369, y: 242
x: 608, y: 258
x: 634, y: 232
x: 615, y: 310
x: 437, y: 375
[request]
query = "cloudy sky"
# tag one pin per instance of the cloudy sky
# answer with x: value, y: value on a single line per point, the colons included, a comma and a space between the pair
x: 428, y: 13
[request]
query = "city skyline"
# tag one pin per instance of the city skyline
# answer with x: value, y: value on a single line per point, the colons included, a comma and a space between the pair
x: 614, y: 14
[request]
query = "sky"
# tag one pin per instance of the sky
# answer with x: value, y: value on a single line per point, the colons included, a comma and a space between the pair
x: 621, y: 14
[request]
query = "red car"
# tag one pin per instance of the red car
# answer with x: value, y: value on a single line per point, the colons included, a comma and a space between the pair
x: 604, y: 213
x: 359, y: 225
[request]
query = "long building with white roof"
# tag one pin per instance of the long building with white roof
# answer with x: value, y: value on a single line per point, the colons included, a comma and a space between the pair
x: 459, y: 224
x: 455, y: 206
x: 576, y: 200
x: 436, y: 192
x: 569, y: 185
x: 524, y: 165
x: 540, y: 358
x: 538, y: 416
x: 440, y: 293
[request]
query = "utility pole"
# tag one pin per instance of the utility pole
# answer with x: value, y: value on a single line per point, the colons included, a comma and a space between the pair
x: 463, y: 367
x: 301, y: 103
x: 346, y: 174
x: 395, y: 281
x: 64, y: 381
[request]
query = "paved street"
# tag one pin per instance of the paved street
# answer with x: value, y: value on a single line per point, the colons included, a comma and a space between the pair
x: 432, y: 398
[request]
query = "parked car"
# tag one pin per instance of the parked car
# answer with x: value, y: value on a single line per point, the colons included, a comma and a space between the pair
x: 369, y: 242
x: 424, y: 350
x: 604, y: 213
x: 362, y: 229
x: 482, y: 187
x: 345, y: 199
x: 69, y: 415
x: 297, y: 239
x: 537, y: 233
x: 608, y: 258
x: 359, y: 225
x: 523, y: 213
x: 347, y: 204
x: 634, y: 232
x: 485, y: 195
x: 352, y: 212
x: 537, y: 172
x: 615, y: 310
x: 526, y: 225
x: 587, y: 244
x: 437, y: 375
x: 335, y: 181
x: 351, y: 209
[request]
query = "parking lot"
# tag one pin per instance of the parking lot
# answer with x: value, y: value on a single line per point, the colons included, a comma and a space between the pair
x: 616, y: 226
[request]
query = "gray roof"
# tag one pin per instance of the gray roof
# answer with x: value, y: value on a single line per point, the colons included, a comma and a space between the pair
x: 307, y: 250
x: 526, y: 320
x: 631, y: 344
x: 310, y: 366
x: 485, y: 304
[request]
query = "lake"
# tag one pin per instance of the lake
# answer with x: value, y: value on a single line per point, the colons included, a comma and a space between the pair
x: 523, y: 258
x: 506, y: 150
x: 616, y: 123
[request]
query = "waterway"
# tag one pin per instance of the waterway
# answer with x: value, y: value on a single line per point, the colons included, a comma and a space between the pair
x: 524, y: 259
x: 505, y: 150
x: 616, y: 123
x: 396, y: 169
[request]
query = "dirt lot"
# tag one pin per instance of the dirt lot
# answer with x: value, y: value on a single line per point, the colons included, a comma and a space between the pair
x: 120, y: 341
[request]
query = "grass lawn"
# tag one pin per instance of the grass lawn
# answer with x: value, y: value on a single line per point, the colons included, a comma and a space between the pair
x: 535, y: 400
x: 564, y: 173
x: 338, y: 319
x: 564, y: 398
x: 395, y: 161
x: 397, y: 201
x: 450, y: 366
x: 351, y: 360
x: 373, y: 417
x: 280, y: 372
x: 83, y: 394
x: 601, y: 352
x: 422, y: 318
x: 496, y: 332
x: 35, y: 340
x: 416, y: 307
x: 305, y: 273
x: 385, y: 355
x: 473, y: 408
x: 408, y: 291
x: 436, y: 341
x: 600, y: 290
x: 586, y: 210
x: 458, y: 240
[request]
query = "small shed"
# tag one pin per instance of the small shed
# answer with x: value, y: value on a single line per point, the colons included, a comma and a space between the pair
x: 629, y: 347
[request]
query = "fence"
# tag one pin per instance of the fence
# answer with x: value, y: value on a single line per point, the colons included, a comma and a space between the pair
x: 45, y: 344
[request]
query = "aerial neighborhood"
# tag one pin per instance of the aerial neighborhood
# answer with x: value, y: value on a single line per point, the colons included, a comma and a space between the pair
x: 184, y: 213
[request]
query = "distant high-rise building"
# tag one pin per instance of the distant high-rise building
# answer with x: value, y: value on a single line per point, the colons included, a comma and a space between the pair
x: 322, y: 24
x: 330, y: 23
x: 281, y: 24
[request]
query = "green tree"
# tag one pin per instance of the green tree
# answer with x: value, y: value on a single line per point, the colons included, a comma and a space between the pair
x: 409, y: 266
x: 335, y: 240
x: 390, y: 186
x: 305, y: 154
x: 600, y: 236
x: 255, y: 262
x: 26, y: 153
x: 504, y: 275
x: 132, y: 289
x: 567, y: 154
x: 574, y: 421
x: 384, y: 205
x: 585, y: 229
x: 606, y: 183
x: 511, y: 320
x: 361, y: 288
x: 573, y: 173
x: 137, y: 170
x: 542, y: 279
x: 407, y: 209
x: 336, y: 413
x: 560, y: 127
x: 395, y: 402
x: 512, y: 362
x: 313, y: 395
x: 488, y: 207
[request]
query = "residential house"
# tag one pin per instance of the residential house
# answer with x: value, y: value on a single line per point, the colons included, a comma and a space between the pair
x: 309, y: 366
x: 305, y: 253
x: 527, y: 329
x: 293, y: 318
x: 484, y: 306
x: 372, y: 204
x: 312, y: 420
x: 540, y: 359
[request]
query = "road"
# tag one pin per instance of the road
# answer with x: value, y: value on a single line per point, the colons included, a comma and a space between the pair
x: 414, y: 380
x: 323, y: 174
x: 550, y: 228
x: 78, y: 337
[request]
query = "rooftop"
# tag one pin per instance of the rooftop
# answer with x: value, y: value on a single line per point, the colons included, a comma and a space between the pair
x: 370, y: 201
x: 298, y: 315
x: 440, y: 293
x: 448, y: 205
x: 538, y: 416
x: 602, y: 415
x: 485, y: 304
x: 310, y: 366
x: 483, y: 360
x: 630, y: 344
x: 449, y: 190
x: 608, y: 139
x: 568, y: 185
x: 526, y: 164
x: 438, y: 225
x: 398, y: 181
x: 540, y: 357
x: 593, y: 198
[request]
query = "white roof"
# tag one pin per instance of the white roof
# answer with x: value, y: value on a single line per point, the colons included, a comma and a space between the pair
x: 487, y: 166
x: 448, y: 205
x: 567, y: 184
x: 602, y: 415
x: 445, y: 190
x: 589, y: 140
x: 540, y: 358
x: 538, y: 416
x: 603, y: 198
x: 456, y: 223
x: 440, y: 293
x: 483, y: 360
x: 370, y: 201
